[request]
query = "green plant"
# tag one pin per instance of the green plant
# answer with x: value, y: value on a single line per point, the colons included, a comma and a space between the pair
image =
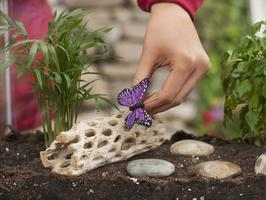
x: 218, y: 32
x: 57, y: 63
x: 244, y: 83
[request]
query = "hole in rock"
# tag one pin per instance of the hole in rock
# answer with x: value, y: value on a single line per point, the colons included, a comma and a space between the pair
x: 83, y: 157
x: 75, y: 140
x: 118, y: 155
x: 117, y: 138
x: 59, y: 146
x: 143, y: 141
x: 128, y: 142
x: 102, y: 143
x: 107, y: 132
x: 119, y: 116
x: 68, y: 156
x: 161, y: 139
x: 149, y: 147
x: 98, y: 158
x: 137, y: 134
x: 112, y: 150
x: 52, y: 156
x: 126, y: 146
x: 155, y: 133
x: 88, y: 145
x: 90, y: 133
x: 113, y: 122
x: 65, y: 164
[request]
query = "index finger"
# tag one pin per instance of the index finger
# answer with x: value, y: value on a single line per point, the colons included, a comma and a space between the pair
x: 169, y: 90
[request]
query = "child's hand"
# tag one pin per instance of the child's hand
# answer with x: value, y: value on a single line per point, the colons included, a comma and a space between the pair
x: 171, y: 40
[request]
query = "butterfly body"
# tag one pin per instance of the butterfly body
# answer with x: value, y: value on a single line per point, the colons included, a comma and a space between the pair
x: 133, y: 99
x: 136, y: 106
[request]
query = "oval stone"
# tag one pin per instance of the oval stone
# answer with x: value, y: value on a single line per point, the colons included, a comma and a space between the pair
x: 191, y: 147
x: 150, y: 168
x: 260, y: 165
x: 217, y: 169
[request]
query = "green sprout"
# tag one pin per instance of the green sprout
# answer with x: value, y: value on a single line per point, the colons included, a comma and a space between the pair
x: 57, y: 63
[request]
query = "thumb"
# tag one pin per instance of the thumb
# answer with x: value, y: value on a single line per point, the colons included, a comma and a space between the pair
x: 145, y: 68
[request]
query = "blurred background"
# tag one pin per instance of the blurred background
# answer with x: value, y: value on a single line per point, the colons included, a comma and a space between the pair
x: 220, y: 25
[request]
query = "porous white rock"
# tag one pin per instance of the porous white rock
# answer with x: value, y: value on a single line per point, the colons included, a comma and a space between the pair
x: 97, y: 142
x: 217, y: 169
x: 150, y: 167
x: 260, y: 165
x: 191, y: 147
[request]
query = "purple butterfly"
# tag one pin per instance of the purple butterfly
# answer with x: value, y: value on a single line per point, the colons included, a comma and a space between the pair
x: 133, y: 100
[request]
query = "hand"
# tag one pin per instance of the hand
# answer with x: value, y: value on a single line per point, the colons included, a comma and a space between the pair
x: 171, y: 40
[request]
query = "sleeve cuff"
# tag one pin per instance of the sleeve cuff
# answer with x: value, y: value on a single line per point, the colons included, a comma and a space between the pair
x: 190, y: 6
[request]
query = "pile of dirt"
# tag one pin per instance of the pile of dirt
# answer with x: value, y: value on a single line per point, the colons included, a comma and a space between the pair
x: 22, y: 176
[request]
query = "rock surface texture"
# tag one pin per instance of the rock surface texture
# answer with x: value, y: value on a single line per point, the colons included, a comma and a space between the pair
x: 97, y: 142
x: 150, y: 168
x: 191, y: 147
x: 217, y: 169
x: 260, y: 165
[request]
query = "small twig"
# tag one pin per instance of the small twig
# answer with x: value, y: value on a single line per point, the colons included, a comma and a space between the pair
x: 4, y: 187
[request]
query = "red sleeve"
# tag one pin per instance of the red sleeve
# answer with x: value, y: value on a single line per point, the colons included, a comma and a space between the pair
x: 190, y: 6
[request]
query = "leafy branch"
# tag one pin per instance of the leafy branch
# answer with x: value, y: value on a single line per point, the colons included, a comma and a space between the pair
x: 244, y: 83
x: 57, y: 63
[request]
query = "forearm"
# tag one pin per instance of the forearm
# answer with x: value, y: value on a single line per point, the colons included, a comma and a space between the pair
x: 175, y: 46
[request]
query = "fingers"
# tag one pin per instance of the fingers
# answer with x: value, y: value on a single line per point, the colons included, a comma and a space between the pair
x: 185, y: 90
x: 174, y: 82
x: 144, y: 69
x: 155, y: 104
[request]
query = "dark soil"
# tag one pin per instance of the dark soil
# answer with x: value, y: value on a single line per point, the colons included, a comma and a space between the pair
x: 22, y: 176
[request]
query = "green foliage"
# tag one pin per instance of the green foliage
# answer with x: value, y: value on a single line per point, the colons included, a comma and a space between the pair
x: 57, y: 63
x: 244, y: 84
x: 219, y: 24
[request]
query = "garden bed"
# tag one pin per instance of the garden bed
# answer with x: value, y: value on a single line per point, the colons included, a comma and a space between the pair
x: 22, y: 176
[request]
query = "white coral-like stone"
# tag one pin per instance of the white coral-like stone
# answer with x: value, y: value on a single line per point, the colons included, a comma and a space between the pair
x: 97, y: 142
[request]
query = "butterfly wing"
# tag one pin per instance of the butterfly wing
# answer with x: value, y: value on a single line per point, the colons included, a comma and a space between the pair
x: 143, y: 118
x: 139, y: 90
x: 130, y: 119
x: 125, y: 98
x: 129, y: 98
